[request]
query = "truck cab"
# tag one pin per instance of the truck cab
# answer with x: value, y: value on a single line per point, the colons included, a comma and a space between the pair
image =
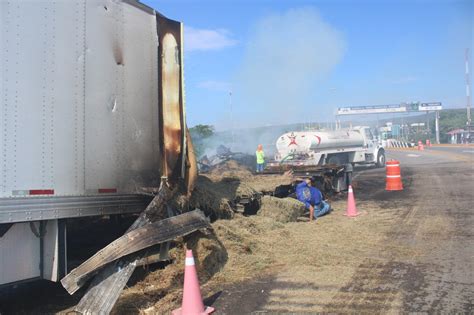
x: 374, y: 151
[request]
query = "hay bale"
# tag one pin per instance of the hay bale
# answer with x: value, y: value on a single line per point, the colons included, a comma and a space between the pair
x: 213, y: 198
x: 217, y: 198
x: 281, y: 209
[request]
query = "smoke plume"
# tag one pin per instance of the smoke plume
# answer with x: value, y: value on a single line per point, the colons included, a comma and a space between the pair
x: 286, y: 56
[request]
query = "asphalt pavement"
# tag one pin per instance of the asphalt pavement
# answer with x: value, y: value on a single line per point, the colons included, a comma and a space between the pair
x: 440, y: 221
x: 467, y: 151
x: 433, y: 155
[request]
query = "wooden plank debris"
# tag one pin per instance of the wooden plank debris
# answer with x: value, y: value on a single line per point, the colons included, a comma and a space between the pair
x: 105, y: 290
x: 106, y: 287
x: 110, y: 280
x: 136, y: 240
x: 155, y: 209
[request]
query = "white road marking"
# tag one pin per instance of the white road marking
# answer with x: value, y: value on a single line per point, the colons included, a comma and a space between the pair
x: 413, y: 155
x: 468, y: 151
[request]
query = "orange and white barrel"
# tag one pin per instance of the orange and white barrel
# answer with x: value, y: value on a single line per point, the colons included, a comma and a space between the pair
x: 394, y: 179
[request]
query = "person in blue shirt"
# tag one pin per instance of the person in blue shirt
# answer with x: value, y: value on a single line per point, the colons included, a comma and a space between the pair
x: 312, y: 199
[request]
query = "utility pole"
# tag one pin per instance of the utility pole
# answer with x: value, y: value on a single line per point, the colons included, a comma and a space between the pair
x: 437, y: 126
x: 231, y: 119
x: 468, y: 94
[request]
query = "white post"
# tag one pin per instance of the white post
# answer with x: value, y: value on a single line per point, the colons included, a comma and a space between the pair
x: 468, y: 92
x: 437, y: 126
x: 231, y: 119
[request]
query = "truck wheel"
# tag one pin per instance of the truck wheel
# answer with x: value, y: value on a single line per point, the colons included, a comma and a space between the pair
x: 380, y: 159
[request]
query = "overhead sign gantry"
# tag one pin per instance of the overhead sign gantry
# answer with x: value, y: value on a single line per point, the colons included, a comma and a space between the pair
x: 386, y: 109
x: 396, y: 108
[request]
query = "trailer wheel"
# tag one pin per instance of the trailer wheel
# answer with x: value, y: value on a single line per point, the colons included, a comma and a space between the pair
x: 380, y: 159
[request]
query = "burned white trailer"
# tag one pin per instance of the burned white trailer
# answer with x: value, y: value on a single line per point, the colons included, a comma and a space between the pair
x: 92, y: 108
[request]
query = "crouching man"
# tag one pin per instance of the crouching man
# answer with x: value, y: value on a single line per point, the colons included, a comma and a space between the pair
x: 312, y: 198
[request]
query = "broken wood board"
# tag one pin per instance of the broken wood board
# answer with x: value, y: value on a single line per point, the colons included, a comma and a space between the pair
x: 133, y: 241
x: 110, y: 280
x: 152, y: 213
x: 113, y: 279
x: 107, y: 286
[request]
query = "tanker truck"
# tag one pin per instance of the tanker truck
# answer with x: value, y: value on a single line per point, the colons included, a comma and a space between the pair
x: 317, y: 148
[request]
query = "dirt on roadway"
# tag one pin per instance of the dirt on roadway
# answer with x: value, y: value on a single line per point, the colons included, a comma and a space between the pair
x: 413, y: 251
x: 410, y: 251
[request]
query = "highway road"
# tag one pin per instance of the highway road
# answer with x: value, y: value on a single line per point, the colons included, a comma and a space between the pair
x: 433, y: 155
x: 467, y: 151
x: 425, y: 263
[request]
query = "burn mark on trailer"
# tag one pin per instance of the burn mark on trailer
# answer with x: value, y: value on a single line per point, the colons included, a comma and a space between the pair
x: 118, y: 53
x: 171, y: 107
x: 172, y: 148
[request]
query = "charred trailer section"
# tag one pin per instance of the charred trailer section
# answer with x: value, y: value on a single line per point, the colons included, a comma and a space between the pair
x: 171, y: 105
x: 178, y: 160
x: 92, y: 109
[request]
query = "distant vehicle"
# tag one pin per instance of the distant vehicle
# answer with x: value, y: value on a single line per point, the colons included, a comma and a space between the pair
x: 92, y: 108
x: 304, y: 148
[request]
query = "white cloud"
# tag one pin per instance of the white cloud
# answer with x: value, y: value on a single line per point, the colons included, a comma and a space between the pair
x: 215, y: 85
x: 207, y: 39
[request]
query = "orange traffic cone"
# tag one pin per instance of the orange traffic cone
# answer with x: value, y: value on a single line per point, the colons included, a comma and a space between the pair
x: 351, y: 205
x: 192, y: 301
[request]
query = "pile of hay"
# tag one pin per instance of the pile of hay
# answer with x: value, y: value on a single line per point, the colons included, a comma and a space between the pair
x: 237, y: 171
x: 213, y: 198
x: 209, y: 253
x: 232, y: 244
x: 165, y: 285
x: 229, y: 169
x: 217, y: 198
x: 218, y: 191
x: 281, y: 209
x: 268, y: 183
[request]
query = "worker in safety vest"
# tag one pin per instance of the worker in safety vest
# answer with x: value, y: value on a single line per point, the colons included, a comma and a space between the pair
x: 312, y: 199
x: 260, y: 158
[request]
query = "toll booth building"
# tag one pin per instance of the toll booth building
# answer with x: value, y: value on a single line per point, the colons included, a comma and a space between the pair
x: 461, y: 136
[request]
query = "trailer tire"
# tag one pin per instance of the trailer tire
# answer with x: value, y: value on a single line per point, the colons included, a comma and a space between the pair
x: 380, y: 159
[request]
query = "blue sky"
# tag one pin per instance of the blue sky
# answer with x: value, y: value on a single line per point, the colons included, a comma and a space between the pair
x: 295, y: 61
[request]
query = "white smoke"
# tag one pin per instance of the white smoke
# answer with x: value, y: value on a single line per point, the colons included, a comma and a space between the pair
x: 286, y: 56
